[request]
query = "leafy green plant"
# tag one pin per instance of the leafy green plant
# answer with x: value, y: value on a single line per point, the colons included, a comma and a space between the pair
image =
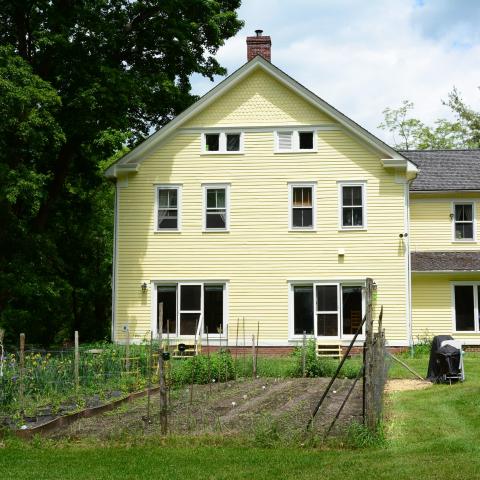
x: 359, y: 436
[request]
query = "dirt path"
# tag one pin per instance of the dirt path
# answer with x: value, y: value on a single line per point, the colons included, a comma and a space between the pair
x: 400, y: 385
x: 247, y: 407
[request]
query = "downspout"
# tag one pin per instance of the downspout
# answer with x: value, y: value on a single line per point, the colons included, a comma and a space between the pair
x: 409, y: 266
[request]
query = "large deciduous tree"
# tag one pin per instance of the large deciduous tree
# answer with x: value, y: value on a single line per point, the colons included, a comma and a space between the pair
x: 79, y: 80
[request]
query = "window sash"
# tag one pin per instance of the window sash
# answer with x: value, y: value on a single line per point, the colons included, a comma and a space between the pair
x: 302, y: 206
x: 461, y: 223
x: 352, y: 214
x: 216, y: 207
x: 167, y: 212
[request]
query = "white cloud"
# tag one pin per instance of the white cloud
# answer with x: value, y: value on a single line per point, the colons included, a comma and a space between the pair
x: 364, y: 56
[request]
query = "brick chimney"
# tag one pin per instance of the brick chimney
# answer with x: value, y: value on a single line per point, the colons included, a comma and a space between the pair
x: 259, y: 45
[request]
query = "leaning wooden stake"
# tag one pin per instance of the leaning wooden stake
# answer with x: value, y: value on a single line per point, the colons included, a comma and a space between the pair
x: 161, y: 372
x: 77, y: 363
x: 406, y: 366
x: 22, y: 372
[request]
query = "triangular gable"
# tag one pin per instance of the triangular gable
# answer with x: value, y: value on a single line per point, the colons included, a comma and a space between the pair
x: 132, y: 160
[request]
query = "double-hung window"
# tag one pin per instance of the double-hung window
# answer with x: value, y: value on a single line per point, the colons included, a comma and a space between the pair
x: 464, y: 221
x: 302, y: 206
x: 327, y: 309
x: 168, y: 200
x: 216, y: 207
x: 466, y: 315
x: 352, y: 206
x: 189, y: 308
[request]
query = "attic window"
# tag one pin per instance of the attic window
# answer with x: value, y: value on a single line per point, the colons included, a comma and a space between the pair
x: 223, y: 142
x: 295, y: 141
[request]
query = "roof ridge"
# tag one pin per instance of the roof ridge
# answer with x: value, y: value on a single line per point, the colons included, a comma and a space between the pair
x: 441, y: 150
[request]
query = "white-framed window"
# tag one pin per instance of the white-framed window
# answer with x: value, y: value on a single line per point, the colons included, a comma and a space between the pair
x: 222, y: 142
x: 216, y: 207
x: 191, y: 307
x: 464, y: 221
x: 326, y: 309
x: 465, y: 298
x: 352, y: 205
x: 168, y: 201
x: 295, y: 140
x: 302, y: 207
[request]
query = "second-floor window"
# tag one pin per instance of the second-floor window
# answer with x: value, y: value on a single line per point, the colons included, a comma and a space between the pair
x: 216, y: 203
x: 168, y: 207
x: 352, y: 206
x: 464, y: 221
x: 302, y: 206
x: 295, y: 141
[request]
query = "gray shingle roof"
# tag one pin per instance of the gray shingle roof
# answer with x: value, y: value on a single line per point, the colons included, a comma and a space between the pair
x: 445, y: 169
x: 445, y: 261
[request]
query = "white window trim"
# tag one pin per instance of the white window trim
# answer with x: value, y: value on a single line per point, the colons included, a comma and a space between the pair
x: 476, y: 319
x: 222, y: 143
x: 205, y: 187
x: 292, y: 336
x: 313, y: 186
x: 474, y: 222
x: 171, y: 186
x: 295, y: 140
x: 348, y: 183
x: 153, y: 288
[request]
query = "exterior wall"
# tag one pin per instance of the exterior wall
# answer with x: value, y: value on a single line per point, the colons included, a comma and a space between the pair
x: 432, y: 305
x: 259, y: 255
x: 431, y: 228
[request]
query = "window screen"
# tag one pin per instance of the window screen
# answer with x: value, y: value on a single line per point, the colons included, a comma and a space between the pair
x: 303, y: 309
x: 167, y: 294
x: 212, y: 142
x: 464, y: 308
x: 213, y: 309
x: 233, y: 142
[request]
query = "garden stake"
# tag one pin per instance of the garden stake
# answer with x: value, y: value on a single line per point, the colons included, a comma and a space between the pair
x: 236, y: 349
x: 256, y: 356
x: 149, y: 384
x: 304, y: 352
x: 77, y: 362
x: 209, y: 367
x: 254, y: 362
x: 161, y: 372
x: 21, y: 373
x: 226, y: 348
x: 244, y: 347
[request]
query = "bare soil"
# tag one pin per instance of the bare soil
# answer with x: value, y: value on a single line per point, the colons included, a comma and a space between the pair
x: 264, y: 406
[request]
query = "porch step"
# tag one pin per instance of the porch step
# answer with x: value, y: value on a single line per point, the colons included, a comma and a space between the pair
x: 330, y: 350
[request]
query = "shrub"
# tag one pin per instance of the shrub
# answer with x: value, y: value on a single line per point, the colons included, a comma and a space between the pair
x: 321, y: 367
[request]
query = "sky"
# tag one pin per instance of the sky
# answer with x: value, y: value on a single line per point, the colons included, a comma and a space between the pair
x: 363, y: 56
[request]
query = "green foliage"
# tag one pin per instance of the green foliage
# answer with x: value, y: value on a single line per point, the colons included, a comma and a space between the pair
x: 81, y: 83
x: 321, y: 367
x: 410, y: 133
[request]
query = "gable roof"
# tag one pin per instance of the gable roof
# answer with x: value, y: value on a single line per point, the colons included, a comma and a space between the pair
x: 445, y: 170
x: 132, y: 160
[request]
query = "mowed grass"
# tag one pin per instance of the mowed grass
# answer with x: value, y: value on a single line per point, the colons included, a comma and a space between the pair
x: 430, y: 432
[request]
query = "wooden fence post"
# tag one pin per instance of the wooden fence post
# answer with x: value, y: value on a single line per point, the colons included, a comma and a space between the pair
x: 254, y: 358
x: 77, y: 362
x: 369, y: 416
x: 304, y: 353
x: 127, y: 351
x: 22, y: 372
x: 161, y: 373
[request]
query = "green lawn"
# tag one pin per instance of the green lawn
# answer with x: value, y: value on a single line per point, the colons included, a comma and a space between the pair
x: 430, y: 432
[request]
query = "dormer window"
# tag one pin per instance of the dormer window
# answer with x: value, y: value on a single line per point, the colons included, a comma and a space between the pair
x: 222, y: 142
x: 295, y: 141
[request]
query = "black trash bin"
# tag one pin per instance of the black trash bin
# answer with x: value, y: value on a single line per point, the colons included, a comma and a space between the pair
x: 445, y: 362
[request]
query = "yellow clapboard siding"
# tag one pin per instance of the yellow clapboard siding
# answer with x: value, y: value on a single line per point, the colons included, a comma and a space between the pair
x: 432, y: 304
x: 431, y: 227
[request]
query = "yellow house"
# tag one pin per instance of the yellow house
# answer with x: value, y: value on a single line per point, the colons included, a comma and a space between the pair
x: 263, y: 208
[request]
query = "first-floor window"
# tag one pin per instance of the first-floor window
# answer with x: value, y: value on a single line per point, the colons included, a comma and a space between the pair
x: 327, y: 310
x: 185, y: 305
x: 466, y: 307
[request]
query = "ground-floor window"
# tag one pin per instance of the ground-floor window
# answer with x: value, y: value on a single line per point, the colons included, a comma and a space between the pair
x: 466, y: 297
x: 189, y: 306
x: 327, y: 310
